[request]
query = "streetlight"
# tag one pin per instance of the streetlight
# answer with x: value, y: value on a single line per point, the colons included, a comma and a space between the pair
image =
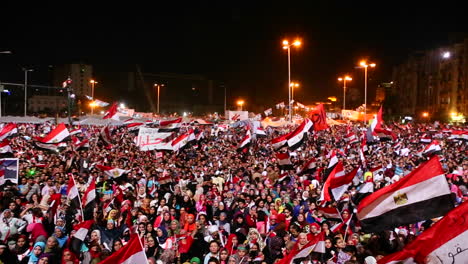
x: 240, y: 103
x: 92, y: 82
x: 5, y: 52
x: 344, y: 79
x: 293, y: 85
x: 26, y: 89
x: 287, y: 45
x: 159, y: 87
x: 363, y: 64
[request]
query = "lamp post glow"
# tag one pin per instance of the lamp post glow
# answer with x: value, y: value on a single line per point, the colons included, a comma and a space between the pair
x: 159, y: 87
x: 287, y: 45
x: 293, y: 85
x: 344, y: 79
x: 93, y: 82
x: 240, y: 103
x: 363, y: 64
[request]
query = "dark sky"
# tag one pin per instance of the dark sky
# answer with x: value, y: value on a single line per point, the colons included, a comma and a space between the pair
x: 239, y: 44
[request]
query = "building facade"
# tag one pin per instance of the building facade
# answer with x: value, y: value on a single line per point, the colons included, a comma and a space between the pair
x: 434, y: 82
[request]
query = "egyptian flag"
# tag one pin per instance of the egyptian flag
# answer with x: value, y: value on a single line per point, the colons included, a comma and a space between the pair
x: 49, y: 147
x: 82, y: 229
x: 191, y: 135
x: 309, y: 167
x: 426, y: 138
x: 89, y: 201
x: 260, y: 132
x: 133, y: 252
x: 8, y: 131
x: 455, y: 134
x: 180, y: 142
x: 298, y: 136
x: 112, y: 172
x: 351, y: 138
x: 112, y: 113
x: 431, y: 149
x: 364, y: 190
x: 319, y: 118
x: 331, y: 165
x: 170, y: 125
x: 133, y: 125
x: 80, y: 143
x: 339, y: 184
x: 106, y: 136
x: 5, y: 147
x: 245, y: 142
x: 329, y: 212
x: 100, y: 103
x: 283, y: 161
x: 423, y: 194
x: 362, y: 150
x: 443, y: 242
x: 385, y: 134
x: 315, y: 244
x: 59, y: 134
x: 341, y: 226
x: 73, y: 195
x: 279, y: 142
x: 337, y: 171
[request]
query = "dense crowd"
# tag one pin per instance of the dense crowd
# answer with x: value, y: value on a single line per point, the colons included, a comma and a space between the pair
x: 211, y: 202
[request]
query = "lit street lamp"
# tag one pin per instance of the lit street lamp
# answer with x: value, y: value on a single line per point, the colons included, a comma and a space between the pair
x: 159, y: 87
x: 344, y: 79
x: 93, y: 82
x: 240, y: 103
x: 287, y: 45
x: 293, y: 85
x: 363, y: 64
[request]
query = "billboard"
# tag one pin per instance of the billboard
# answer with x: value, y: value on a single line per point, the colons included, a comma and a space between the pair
x: 9, y: 168
x: 150, y: 138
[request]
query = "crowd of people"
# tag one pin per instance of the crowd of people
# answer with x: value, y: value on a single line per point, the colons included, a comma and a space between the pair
x: 211, y: 202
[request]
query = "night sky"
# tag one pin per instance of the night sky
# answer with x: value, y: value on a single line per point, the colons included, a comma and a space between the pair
x: 239, y: 44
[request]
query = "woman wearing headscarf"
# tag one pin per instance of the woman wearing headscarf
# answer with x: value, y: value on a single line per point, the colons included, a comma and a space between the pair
x: 69, y: 257
x: 151, y: 248
x: 174, y: 228
x: 37, y: 230
x: 52, y: 247
x: 6, y: 256
x: 59, y: 234
x: 22, y: 248
x: 33, y: 257
x: 231, y: 244
x: 254, y: 237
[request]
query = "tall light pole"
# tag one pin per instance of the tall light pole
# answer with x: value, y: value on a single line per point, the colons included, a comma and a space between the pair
x: 26, y: 89
x: 159, y: 87
x: 92, y: 82
x: 344, y: 79
x: 2, y: 52
x: 287, y: 45
x: 363, y: 64
x: 293, y: 85
x: 225, y: 101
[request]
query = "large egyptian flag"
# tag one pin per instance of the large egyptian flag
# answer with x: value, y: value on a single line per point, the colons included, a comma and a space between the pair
x: 105, y: 135
x: 5, y: 147
x: 132, y: 253
x: 89, y: 201
x: 280, y: 141
x: 59, y: 134
x: 180, y: 142
x: 319, y: 118
x: 299, y: 135
x: 8, y: 131
x: 170, y: 125
x: 329, y: 212
x: 443, y: 242
x: 423, y: 194
x: 339, y: 184
x: 338, y: 171
x: 431, y: 149
x: 309, y: 167
x: 315, y: 244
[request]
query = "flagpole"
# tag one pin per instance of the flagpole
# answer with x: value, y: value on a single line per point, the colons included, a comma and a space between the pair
x: 79, y: 198
x: 347, y: 226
